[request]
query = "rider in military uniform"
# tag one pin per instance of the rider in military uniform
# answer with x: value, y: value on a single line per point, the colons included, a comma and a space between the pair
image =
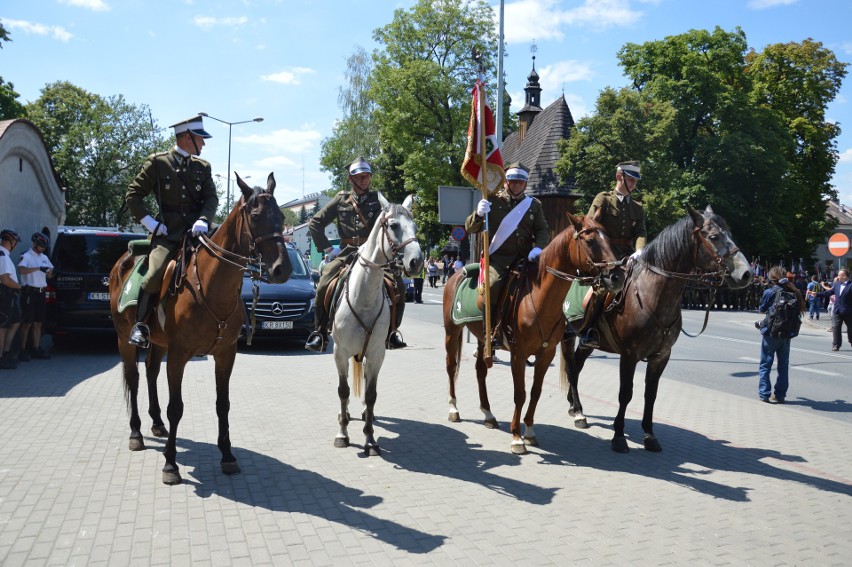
x: 516, y: 223
x: 356, y: 212
x: 186, y: 197
x: 623, y: 220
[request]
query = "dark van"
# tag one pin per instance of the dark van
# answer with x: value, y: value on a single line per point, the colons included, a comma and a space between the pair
x: 78, y: 294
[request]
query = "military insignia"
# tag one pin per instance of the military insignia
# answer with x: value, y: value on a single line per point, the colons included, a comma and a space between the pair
x: 198, y: 187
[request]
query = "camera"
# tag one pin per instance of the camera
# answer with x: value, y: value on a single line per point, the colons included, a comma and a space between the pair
x: 44, y: 268
x: 757, y: 325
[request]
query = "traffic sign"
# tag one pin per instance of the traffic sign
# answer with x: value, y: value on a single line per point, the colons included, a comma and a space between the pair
x: 458, y: 233
x: 838, y: 244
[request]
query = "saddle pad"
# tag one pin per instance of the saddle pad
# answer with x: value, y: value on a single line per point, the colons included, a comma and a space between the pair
x: 572, y: 307
x: 132, y: 284
x: 465, y: 299
x: 139, y: 247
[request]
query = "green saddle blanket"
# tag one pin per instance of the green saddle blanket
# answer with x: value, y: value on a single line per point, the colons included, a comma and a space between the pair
x: 132, y: 284
x: 465, y: 309
x: 572, y: 307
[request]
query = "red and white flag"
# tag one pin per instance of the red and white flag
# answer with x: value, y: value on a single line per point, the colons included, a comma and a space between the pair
x: 471, y: 169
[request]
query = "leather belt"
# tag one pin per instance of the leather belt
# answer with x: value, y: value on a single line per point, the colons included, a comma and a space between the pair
x: 37, y: 289
x: 357, y: 241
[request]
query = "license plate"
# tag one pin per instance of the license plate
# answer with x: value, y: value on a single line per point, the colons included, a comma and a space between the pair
x: 98, y: 296
x: 273, y: 325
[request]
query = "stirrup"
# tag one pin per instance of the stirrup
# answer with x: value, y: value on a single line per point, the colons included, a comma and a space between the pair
x: 589, y: 339
x: 317, y: 342
x: 395, y: 341
x: 139, y: 335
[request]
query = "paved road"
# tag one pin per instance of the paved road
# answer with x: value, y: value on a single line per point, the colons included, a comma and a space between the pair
x: 738, y: 482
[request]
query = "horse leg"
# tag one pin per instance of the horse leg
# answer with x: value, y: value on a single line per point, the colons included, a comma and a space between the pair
x: 653, y: 373
x: 576, y: 361
x: 519, y: 364
x: 452, y: 345
x: 481, y: 375
x: 627, y: 366
x: 174, y: 411
x: 224, y: 367
x: 542, y: 363
x: 342, y: 439
x: 131, y: 391
x: 152, y: 371
x: 371, y: 447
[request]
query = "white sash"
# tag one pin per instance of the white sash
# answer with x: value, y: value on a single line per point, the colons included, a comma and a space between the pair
x: 509, y: 224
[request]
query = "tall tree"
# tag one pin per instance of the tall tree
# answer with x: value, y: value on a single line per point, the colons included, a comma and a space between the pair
x: 10, y: 107
x: 98, y: 145
x: 421, y: 83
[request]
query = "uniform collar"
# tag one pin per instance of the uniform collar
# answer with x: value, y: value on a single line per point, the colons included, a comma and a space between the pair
x: 181, y: 152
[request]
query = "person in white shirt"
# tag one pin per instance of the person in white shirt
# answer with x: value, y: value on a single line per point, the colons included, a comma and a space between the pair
x: 10, y: 319
x: 35, y: 268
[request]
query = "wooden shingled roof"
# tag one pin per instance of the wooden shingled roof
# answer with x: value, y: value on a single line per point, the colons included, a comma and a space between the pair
x: 539, y: 150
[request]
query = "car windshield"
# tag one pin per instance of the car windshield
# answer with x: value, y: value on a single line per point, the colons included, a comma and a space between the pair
x: 300, y: 268
x: 90, y: 253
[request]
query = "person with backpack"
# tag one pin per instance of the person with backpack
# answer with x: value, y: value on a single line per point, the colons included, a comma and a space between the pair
x: 784, y: 306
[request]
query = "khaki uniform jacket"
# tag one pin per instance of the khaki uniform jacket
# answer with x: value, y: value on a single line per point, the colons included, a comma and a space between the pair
x: 186, y: 192
x: 624, y: 224
x: 532, y: 231
x: 349, y: 223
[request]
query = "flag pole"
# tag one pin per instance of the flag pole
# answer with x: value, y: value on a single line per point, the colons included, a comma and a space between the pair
x: 483, y: 172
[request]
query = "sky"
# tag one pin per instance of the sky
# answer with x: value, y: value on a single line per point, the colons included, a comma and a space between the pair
x: 284, y: 61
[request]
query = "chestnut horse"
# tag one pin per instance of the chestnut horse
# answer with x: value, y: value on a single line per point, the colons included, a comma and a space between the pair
x: 203, y: 316
x: 645, y: 321
x: 537, y: 320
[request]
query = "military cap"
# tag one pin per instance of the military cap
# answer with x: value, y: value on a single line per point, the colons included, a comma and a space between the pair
x: 359, y: 166
x: 630, y: 168
x: 194, y: 125
x: 517, y: 171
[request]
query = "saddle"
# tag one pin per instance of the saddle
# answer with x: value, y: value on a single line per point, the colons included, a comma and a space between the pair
x: 173, y: 278
x: 337, y: 287
x: 579, y: 310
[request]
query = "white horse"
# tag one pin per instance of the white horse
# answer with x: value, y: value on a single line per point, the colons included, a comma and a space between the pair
x: 363, y: 313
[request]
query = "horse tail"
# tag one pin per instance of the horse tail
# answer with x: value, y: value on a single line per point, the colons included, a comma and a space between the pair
x: 357, y: 377
x: 564, y: 384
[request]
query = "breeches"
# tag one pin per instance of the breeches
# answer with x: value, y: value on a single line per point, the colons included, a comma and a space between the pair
x: 161, y: 252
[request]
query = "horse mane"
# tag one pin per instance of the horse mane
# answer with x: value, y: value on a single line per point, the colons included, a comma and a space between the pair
x: 666, y: 250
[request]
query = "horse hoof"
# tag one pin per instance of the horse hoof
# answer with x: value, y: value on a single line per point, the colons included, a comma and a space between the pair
x: 159, y: 431
x: 651, y: 444
x: 171, y: 478
x: 372, y: 450
x: 491, y: 424
x: 518, y: 448
x: 581, y: 423
x: 231, y: 467
x: 454, y: 417
x: 531, y: 441
x: 619, y: 445
x: 137, y: 444
x: 341, y: 442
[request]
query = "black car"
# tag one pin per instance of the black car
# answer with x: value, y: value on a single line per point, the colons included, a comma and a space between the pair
x: 283, y: 310
x: 78, y: 294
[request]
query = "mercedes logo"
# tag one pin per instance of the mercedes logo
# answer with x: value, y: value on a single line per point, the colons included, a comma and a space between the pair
x: 105, y: 281
x: 277, y: 308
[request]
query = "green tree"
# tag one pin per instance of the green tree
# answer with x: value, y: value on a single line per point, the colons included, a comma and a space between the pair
x: 98, y: 146
x: 421, y: 84
x: 10, y: 107
x: 291, y: 219
x: 303, y: 215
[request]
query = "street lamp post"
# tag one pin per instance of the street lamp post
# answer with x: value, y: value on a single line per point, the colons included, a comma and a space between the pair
x: 230, y: 125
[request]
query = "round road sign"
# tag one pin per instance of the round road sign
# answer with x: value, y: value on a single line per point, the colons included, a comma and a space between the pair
x: 838, y: 244
x: 458, y: 233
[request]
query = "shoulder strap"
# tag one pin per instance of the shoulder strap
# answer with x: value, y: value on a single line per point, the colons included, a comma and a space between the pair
x: 357, y: 210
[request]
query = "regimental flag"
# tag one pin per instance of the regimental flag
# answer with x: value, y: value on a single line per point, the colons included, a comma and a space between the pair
x: 495, y: 177
x: 481, y: 281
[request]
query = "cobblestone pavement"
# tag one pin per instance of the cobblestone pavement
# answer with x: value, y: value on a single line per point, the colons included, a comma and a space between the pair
x: 738, y: 482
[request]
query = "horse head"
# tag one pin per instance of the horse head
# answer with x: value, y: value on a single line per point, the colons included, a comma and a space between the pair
x: 717, y: 250
x: 598, y: 257
x: 401, y: 236
x: 264, y: 223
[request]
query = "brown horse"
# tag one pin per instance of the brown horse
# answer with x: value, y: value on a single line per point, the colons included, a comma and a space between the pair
x: 645, y: 321
x: 204, y: 316
x: 537, y: 321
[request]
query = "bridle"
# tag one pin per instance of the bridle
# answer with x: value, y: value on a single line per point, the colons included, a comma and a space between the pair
x: 595, y: 269
x: 395, y: 247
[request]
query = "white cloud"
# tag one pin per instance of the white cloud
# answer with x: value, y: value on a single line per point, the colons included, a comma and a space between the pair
x: 288, y: 141
x: 763, y: 4
x: 845, y: 156
x: 96, y: 5
x: 526, y: 20
x: 56, y: 32
x: 291, y: 77
x: 207, y: 22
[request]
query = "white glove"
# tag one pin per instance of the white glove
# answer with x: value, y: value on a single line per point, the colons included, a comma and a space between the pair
x: 199, y: 227
x: 152, y: 226
x: 333, y: 252
x: 483, y: 207
x: 636, y: 254
x: 534, y: 253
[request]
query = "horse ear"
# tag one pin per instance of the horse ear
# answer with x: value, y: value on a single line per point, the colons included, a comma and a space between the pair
x: 708, y: 210
x: 247, y: 191
x: 408, y: 203
x: 575, y: 221
x: 697, y: 217
x: 270, y: 183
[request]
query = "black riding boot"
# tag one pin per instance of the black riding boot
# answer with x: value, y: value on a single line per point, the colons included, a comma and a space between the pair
x: 590, y: 338
x: 317, y: 341
x: 140, y: 333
